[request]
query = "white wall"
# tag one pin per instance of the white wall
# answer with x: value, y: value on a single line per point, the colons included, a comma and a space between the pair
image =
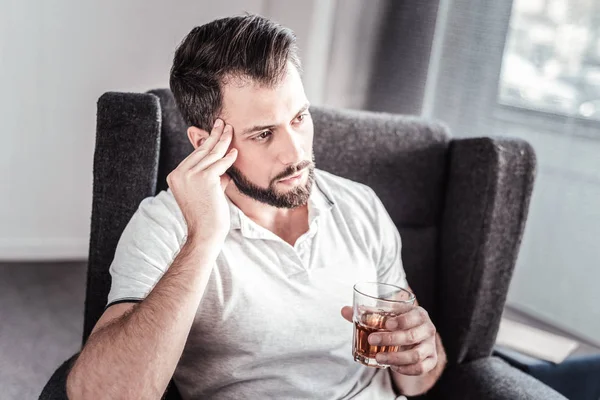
x: 56, y: 59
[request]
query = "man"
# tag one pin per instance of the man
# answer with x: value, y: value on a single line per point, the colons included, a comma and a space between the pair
x: 232, y: 281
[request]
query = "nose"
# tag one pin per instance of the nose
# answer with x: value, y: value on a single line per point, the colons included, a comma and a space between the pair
x: 290, y: 148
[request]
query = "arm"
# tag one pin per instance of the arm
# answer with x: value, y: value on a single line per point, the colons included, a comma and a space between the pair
x: 134, y: 350
x: 135, y: 354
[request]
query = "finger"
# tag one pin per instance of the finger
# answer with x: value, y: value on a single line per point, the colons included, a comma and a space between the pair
x: 421, y: 368
x: 347, y: 313
x: 221, y: 166
x: 218, y: 151
x: 205, y: 147
x: 411, y: 356
x: 413, y: 318
x: 403, y: 337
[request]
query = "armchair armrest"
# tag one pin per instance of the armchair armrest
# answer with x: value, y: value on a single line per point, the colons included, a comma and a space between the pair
x: 56, y: 388
x: 489, y: 187
x: 492, y: 379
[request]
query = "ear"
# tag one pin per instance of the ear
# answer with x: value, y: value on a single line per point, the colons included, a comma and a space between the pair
x: 197, y: 136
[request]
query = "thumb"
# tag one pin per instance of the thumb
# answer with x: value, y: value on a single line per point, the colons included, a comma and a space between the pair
x: 347, y: 313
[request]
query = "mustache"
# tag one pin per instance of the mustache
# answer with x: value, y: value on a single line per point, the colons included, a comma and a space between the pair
x: 292, y: 170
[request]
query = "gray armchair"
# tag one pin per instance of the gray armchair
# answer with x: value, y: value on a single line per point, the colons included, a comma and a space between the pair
x: 460, y: 206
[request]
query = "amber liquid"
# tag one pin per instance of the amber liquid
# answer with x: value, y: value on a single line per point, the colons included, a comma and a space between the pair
x: 370, y: 323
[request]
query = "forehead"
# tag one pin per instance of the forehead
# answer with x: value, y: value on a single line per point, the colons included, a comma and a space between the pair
x: 247, y: 103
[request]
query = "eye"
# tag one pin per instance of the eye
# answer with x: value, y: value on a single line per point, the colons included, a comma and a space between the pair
x: 262, y: 136
x: 300, y: 118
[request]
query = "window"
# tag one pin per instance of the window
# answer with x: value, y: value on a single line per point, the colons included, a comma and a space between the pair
x: 552, y: 58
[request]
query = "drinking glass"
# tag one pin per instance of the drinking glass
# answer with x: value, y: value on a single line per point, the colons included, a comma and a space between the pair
x: 374, y: 303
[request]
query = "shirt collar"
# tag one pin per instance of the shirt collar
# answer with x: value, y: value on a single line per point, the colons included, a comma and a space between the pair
x: 318, y: 203
x: 234, y: 215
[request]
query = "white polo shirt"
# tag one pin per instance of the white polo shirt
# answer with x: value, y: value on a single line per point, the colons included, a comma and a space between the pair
x: 269, y: 323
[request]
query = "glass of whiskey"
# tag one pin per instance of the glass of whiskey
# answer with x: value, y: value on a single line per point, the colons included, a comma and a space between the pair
x: 374, y: 303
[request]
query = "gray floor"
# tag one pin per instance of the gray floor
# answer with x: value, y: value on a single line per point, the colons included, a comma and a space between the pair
x: 41, y: 321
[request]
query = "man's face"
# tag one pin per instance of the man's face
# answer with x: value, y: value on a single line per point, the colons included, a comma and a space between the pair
x: 273, y: 133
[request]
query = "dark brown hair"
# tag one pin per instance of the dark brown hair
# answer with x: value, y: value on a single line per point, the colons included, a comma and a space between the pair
x: 244, y: 47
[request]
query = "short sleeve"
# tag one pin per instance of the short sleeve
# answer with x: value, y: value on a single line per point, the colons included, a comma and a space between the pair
x: 149, y: 244
x: 389, y: 267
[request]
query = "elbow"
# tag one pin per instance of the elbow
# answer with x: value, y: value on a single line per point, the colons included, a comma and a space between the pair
x: 74, y: 385
x: 72, y: 388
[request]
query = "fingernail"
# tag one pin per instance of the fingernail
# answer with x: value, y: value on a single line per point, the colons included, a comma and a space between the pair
x: 391, y: 324
x: 218, y: 123
x: 374, y: 339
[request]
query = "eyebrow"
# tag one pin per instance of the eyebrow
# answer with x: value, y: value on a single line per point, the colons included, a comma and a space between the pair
x: 257, y: 128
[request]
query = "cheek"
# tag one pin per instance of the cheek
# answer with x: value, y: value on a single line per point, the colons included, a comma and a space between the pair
x: 251, y: 163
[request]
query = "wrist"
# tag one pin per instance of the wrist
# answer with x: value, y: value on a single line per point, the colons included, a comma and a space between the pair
x: 201, y: 247
x: 193, y: 264
x: 203, y: 237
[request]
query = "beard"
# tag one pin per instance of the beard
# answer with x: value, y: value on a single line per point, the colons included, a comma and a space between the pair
x: 296, y: 197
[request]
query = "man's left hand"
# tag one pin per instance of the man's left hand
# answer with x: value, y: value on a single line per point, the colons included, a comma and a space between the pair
x: 414, y: 334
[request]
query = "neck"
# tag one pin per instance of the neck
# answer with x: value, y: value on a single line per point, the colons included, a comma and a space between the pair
x: 287, y: 223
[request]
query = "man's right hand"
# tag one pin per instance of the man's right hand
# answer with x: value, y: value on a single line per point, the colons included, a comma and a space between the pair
x: 198, y: 184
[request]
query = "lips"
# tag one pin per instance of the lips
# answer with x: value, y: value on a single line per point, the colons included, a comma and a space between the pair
x: 297, y: 175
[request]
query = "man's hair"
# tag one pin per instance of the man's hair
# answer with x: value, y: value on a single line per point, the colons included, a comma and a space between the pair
x: 246, y: 47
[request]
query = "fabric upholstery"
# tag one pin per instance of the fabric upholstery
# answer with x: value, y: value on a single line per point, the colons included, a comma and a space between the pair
x: 125, y: 170
x: 460, y: 205
x: 487, y: 198
x: 175, y: 145
x: 490, y: 378
x: 56, y: 388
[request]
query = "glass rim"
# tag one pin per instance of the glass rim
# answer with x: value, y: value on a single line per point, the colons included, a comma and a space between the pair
x: 412, y: 295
